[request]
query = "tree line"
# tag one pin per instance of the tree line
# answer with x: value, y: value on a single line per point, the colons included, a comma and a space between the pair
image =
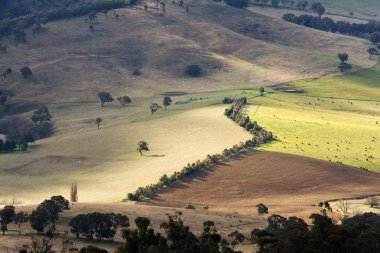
x: 260, y: 136
x: 358, y: 234
x: 370, y: 29
x: 142, y: 239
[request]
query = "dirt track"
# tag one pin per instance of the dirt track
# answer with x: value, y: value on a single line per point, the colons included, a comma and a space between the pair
x: 289, y: 185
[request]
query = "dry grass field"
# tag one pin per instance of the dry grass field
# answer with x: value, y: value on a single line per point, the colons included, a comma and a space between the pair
x: 289, y: 185
x: 71, y: 64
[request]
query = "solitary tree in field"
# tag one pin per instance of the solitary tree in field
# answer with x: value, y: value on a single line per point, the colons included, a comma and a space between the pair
x: 6, y: 216
x: 262, y: 91
x: 343, y: 57
x: 142, y: 146
x: 104, y: 97
x: 373, y: 201
x: 166, y: 102
x: 372, y: 52
x: 26, y: 72
x: 124, y: 100
x: 154, y: 107
x: 19, y: 219
x: 262, y: 209
x: 98, y: 120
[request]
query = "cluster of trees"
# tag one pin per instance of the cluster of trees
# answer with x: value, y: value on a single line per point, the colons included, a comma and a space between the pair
x: 47, y: 213
x: 15, y: 16
x: 179, y: 238
x: 44, y: 216
x: 20, y: 132
x: 359, y: 234
x: 25, y: 72
x: 97, y: 225
x: 260, y: 135
x: 106, y: 97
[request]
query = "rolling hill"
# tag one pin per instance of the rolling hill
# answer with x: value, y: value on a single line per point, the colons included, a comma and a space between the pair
x: 71, y: 63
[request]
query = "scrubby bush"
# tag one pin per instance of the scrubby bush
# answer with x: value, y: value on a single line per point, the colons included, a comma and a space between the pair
x: 136, y: 72
x: 227, y: 100
x: 189, y: 206
x: 194, y: 70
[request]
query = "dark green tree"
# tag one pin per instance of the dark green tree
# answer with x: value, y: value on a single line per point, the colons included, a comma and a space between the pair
x: 6, y: 216
x: 26, y: 72
x: 166, y: 101
x: 262, y: 90
x: 371, y: 51
x: 142, y: 146
x: 154, y: 107
x: 124, y: 100
x: 104, y: 97
x: 318, y: 8
x: 262, y: 209
x: 41, y: 115
x: 98, y: 120
x: 19, y: 219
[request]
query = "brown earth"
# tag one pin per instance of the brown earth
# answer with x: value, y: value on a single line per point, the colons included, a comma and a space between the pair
x: 289, y: 185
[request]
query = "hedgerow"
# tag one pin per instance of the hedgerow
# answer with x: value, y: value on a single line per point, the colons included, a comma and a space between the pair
x: 260, y: 136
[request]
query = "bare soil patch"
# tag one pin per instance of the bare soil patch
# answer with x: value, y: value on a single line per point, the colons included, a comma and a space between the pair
x: 289, y: 185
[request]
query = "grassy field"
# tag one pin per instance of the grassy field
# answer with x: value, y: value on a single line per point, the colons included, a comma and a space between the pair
x: 105, y: 163
x: 368, y: 9
x: 337, y: 119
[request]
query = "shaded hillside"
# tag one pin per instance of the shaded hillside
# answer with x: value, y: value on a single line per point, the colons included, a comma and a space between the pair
x: 72, y: 63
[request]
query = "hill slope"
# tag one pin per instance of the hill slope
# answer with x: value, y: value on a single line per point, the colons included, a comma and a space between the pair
x: 71, y: 63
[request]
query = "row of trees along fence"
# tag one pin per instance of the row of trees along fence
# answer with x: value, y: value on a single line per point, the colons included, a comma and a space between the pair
x: 260, y: 136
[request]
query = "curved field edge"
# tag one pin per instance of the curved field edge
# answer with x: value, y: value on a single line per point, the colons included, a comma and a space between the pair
x: 104, y: 162
x: 235, y: 113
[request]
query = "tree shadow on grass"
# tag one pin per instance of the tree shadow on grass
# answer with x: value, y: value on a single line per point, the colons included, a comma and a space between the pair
x: 154, y: 155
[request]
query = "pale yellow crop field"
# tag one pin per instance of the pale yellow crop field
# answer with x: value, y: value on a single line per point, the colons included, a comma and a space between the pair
x: 104, y: 162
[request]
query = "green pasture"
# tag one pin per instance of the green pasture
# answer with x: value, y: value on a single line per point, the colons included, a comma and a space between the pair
x: 337, y: 119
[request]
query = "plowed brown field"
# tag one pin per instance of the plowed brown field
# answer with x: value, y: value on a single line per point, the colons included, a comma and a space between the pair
x: 289, y: 185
